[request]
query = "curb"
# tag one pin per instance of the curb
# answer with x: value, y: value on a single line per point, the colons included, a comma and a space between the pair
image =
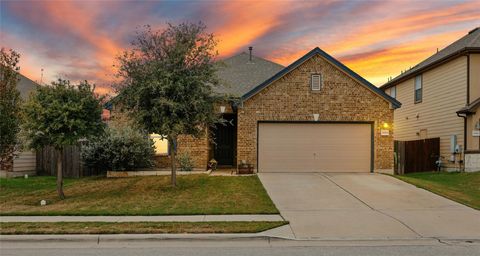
x: 267, y: 239
x: 98, y: 238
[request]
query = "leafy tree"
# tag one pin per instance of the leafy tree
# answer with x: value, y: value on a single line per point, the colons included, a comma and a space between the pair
x: 9, y: 105
x: 167, y: 82
x: 61, y: 115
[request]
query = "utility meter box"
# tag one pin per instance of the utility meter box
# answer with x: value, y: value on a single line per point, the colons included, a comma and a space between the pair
x: 458, y: 149
x: 453, y: 144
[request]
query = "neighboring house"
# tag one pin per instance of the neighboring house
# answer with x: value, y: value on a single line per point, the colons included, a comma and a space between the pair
x: 314, y: 115
x: 440, y: 98
x: 24, y: 162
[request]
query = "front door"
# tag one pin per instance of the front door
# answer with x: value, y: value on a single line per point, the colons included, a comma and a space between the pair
x: 225, y: 136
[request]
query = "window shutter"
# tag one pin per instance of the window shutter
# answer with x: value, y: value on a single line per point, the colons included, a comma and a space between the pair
x: 316, y: 82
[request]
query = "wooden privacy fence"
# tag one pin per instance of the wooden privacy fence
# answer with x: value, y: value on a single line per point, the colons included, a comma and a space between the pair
x: 72, y: 163
x: 416, y: 155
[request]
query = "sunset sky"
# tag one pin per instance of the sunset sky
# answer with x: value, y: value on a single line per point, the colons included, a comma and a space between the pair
x: 79, y: 40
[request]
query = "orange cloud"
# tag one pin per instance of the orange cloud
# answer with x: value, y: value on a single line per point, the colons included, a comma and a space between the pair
x: 102, y: 90
x: 378, y: 66
x: 374, y: 45
x: 80, y: 20
x: 363, y: 50
x: 247, y: 21
x: 398, y: 28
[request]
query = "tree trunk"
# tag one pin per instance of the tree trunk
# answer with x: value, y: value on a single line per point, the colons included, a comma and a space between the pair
x: 60, y: 174
x: 173, y: 152
x: 6, y: 159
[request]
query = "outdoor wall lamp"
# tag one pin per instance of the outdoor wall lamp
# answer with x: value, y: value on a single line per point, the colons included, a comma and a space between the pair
x: 222, y: 109
x: 315, y: 117
x: 385, y: 129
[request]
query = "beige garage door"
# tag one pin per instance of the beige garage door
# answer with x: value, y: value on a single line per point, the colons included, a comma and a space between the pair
x: 314, y: 147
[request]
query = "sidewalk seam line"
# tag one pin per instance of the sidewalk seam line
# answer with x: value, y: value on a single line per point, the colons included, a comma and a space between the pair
x: 293, y: 232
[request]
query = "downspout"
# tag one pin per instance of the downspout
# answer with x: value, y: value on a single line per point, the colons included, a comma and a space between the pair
x: 464, y: 116
x: 468, y: 78
x: 468, y: 102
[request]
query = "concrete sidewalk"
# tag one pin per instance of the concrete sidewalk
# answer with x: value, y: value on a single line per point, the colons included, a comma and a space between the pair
x: 170, y: 218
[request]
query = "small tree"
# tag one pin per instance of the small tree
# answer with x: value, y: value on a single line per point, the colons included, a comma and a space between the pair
x: 60, y: 115
x: 167, y: 82
x: 9, y: 106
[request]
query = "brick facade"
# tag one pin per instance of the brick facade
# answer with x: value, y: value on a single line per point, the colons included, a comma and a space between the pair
x: 197, y: 148
x: 290, y: 99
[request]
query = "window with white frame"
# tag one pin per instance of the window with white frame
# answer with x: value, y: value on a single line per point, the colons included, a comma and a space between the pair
x: 418, y: 88
x: 316, y: 82
x: 160, y: 143
x: 393, y: 92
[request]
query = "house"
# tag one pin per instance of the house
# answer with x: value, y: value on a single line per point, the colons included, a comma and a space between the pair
x: 440, y: 99
x: 313, y: 115
x: 23, y: 162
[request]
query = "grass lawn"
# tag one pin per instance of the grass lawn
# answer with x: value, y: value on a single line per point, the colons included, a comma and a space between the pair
x: 16, y: 228
x: 153, y: 195
x: 461, y: 187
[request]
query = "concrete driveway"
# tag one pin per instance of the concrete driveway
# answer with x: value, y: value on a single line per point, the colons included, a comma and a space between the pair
x: 366, y: 206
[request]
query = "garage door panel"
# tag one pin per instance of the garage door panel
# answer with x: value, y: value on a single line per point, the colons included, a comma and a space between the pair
x: 310, y: 147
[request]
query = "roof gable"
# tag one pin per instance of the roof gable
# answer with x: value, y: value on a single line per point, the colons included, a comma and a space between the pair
x: 330, y: 59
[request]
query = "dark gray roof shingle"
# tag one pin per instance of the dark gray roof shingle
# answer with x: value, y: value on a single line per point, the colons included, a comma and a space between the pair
x: 470, y: 108
x: 471, y: 40
x: 238, y: 75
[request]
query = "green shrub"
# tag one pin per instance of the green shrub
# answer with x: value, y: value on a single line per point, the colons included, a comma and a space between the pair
x: 119, y: 149
x: 185, y: 162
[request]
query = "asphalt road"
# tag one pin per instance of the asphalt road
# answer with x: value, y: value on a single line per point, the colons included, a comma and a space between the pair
x: 329, y: 250
x: 246, y: 248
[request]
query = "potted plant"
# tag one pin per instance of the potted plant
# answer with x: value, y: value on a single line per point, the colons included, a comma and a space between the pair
x: 212, y: 164
x: 245, y: 168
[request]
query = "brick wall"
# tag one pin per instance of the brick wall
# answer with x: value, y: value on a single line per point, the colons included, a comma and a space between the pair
x: 196, y: 148
x: 162, y: 161
x: 290, y: 99
x: 199, y: 149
